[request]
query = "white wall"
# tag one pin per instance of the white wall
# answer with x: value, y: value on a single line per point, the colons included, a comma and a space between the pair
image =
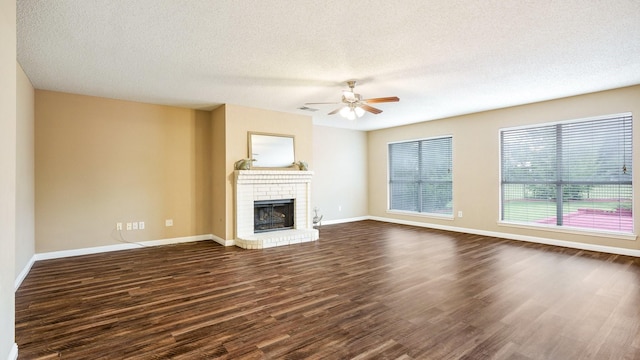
x: 7, y: 176
x: 25, y: 241
x: 339, y: 187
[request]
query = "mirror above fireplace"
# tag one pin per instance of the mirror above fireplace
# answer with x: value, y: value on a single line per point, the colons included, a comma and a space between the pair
x: 271, y: 150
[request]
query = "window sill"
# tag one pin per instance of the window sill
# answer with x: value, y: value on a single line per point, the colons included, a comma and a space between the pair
x: 424, y: 215
x: 569, y: 230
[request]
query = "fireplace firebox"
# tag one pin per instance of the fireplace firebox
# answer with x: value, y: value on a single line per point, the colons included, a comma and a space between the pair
x: 272, y: 215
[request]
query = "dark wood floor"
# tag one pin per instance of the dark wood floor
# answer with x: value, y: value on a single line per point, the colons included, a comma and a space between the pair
x: 365, y: 290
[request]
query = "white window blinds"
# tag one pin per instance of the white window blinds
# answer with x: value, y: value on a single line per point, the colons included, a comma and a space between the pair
x: 575, y: 174
x: 420, y: 177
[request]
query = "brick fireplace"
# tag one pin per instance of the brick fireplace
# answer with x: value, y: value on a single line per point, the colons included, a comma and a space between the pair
x: 268, y: 185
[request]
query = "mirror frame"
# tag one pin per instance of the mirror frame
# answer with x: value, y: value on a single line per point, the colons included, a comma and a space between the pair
x: 284, y: 139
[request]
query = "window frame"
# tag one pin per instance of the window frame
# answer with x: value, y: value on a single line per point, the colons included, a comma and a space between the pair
x: 446, y: 216
x: 619, y: 234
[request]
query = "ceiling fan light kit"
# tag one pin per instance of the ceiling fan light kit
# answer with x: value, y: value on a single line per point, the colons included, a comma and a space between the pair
x: 351, y: 112
x: 345, y: 111
x: 354, y: 106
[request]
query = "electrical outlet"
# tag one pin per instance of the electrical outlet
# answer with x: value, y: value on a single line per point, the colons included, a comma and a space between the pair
x: 135, y: 226
x: 141, y: 225
x: 459, y: 213
x: 118, y: 226
x: 128, y: 226
x: 168, y: 222
x: 339, y: 207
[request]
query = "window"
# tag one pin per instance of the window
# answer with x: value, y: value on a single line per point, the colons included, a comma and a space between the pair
x: 420, y: 176
x: 571, y: 174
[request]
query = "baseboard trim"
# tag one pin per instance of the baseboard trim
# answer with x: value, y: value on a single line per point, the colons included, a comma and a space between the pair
x: 125, y: 246
x: 340, y: 221
x: 23, y: 274
x: 533, y: 239
x: 13, y: 353
x: 118, y: 247
x: 222, y: 241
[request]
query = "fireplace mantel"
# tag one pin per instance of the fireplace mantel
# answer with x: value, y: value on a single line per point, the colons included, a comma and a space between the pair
x: 272, y: 176
x: 258, y: 185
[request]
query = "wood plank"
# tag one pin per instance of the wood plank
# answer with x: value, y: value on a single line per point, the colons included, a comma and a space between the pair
x: 364, y: 290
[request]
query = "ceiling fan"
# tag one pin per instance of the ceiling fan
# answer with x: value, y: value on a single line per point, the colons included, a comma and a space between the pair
x: 354, y: 105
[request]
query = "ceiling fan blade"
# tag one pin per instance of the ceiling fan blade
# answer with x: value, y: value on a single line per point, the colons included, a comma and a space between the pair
x: 322, y: 103
x: 382, y: 99
x: 335, y: 111
x: 370, y: 109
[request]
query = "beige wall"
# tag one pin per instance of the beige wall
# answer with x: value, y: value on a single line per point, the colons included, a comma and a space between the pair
x: 219, y: 173
x: 201, y: 154
x: 25, y: 241
x: 239, y: 121
x: 100, y: 161
x: 476, y: 160
x: 339, y: 187
x: 8, y: 174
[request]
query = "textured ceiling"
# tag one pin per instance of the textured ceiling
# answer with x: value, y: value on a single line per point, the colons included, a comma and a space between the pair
x: 442, y: 58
